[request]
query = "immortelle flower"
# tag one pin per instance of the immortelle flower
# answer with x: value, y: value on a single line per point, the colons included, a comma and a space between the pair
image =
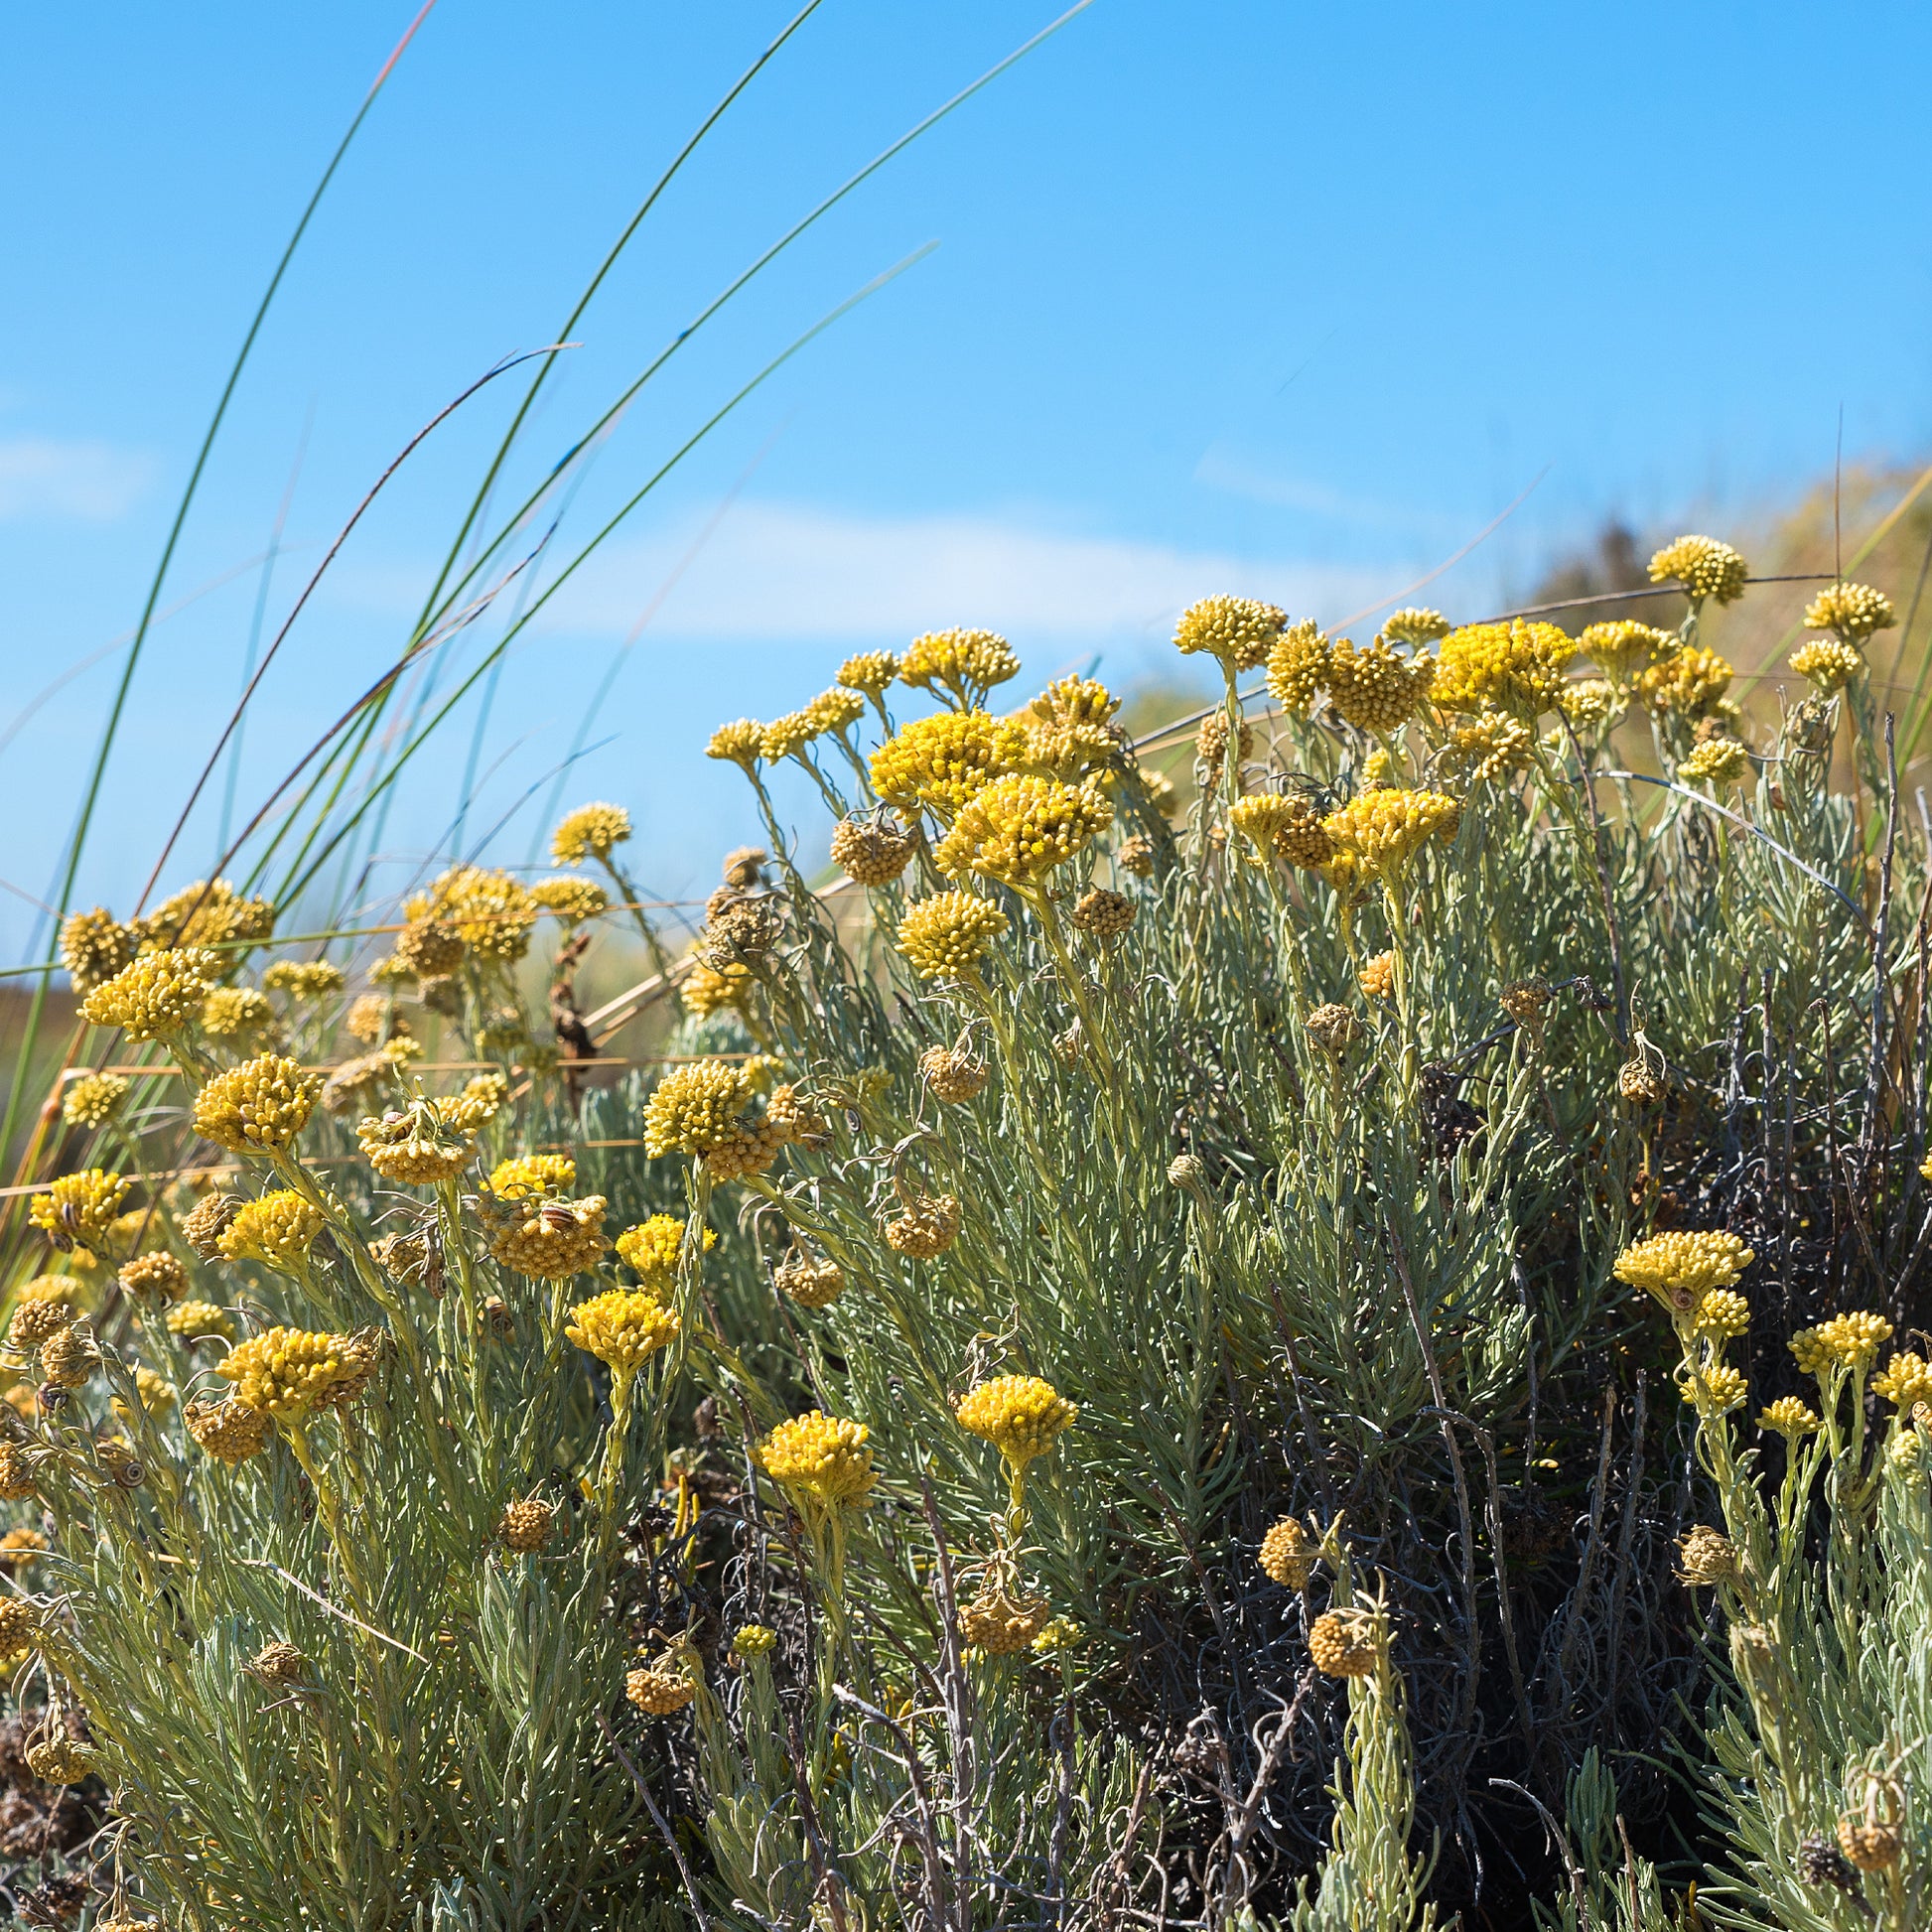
x: 205, y: 913
x: 1386, y: 828
x: 1723, y: 1315
x: 1136, y: 855
x: 1591, y: 704
x: 417, y: 1145
x: 152, y: 1392
x: 653, y: 1248
x: 1022, y: 1416
x: 1704, y: 566
x: 785, y: 736
x: 1714, y: 1388
x: 709, y: 989
x: 951, y: 1075
x: 21, y: 1549
x: 1263, y: 818
x: 1854, y: 611
x: 1002, y: 1625
x: 258, y: 1107
x: 549, y: 1240
x: 1844, y: 1341
x: 525, y: 1527
x: 237, y: 1013
x: 742, y: 743
x: 622, y: 1328
x: 304, y: 979
x: 192, y: 1320
x: 1377, y: 977
x: 967, y: 663
x: 493, y: 914
x: 1828, y: 663
x: 19, y: 1628
x: 1681, y: 1268
x: 1376, y: 689
x: 835, y: 710
x: 1333, y: 1028
x: 1300, y: 838
x: 1690, y: 683
x: 78, y: 1209
x: 15, y: 1476
x: 873, y: 850
x: 696, y: 1109
x: 157, y: 996
x: 481, y: 1100
x: 229, y: 1430
x: 95, y: 1099
x: 1417, y: 626
x: 1298, y: 662
x: 812, y: 1281
x: 753, y: 1640
x: 927, y: 1226
x: 1515, y: 667
x: 1237, y: 629
x: 69, y: 1358
x: 949, y: 935
x: 941, y: 762
x: 1708, y: 1558
x: 1288, y: 1554
x: 870, y: 671
x: 1788, y: 1417
x: 1625, y: 648
x: 1718, y: 762
x: 155, y: 1279
x: 34, y: 1323
x: 94, y: 946
x: 523, y: 1176
x: 1020, y: 828
x: 590, y: 832
x: 817, y: 1459
x: 1347, y: 1644
x: 287, y: 1374
x: 571, y: 901
x: 210, y: 1220
x: 277, y: 1230
x: 1904, y: 1381
x: 664, y: 1686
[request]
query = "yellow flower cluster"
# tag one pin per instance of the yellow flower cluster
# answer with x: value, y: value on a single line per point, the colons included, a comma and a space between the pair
x: 1020, y: 828
x: 1333, y: 1028
x: 1625, y: 648
x: 490, y: 911
x: 1844, y: 1341
x: 1714, y: 1388
x: 526, y: 1175
x: 1287, y: 1554
x: 1708, y: 1558
x: 258, y: 1107
x: 622, y: 1328
x: 1591, y: 704
x: 926, y: 1227
x: 819, y: 1461
x: 1854, y: 611
x: 742, y: 742
x: 78, y: 1209
x: 287, y: 1374
x: 94, y: 946
x: 205, y: 914
x: 1718, y: 760
x: 525, y: 1526
x: 1516, y: 666
x: 417, y: 1145
x: 276, y: 1230
x: 1704, y: 566
x: 1723, y: 1315
x: 548, y: 1240
x: 590, y: 832
x: 967, y: 663
x: 1239, y: 631
x: 1788, y: 1417
x: 1022, y: 1416
x: 154, y: 997
x: 152, y: 1392
x: 1297, y: 666
x: 1681, y: 1268
x: 1347, y: 1644
x: 1494, y: 743
x: 870, y: 671
x: 1377, y: 977
x: 192, y: 1321
x: 941, y: 761
x: 948, y: 935
x: 812, y: 1281
x: 1385, y: 828
x: 1828, y: 663
x: 708, y: 989
x: 571, y: 901
x: 304, y: 979
x: 154, y: 1277
x: 479, y: 1102
x: 1378, y: 688
x: 753, y: 1640
x: 1417, y: 626
x: 237, y: 1013
x: 787, y: 736
x: 653, y: 1248
x: 666, y: 1686
x: 696, y: 1109
x: 1904, y: 1381
x: 1102, y: 913
x: 93, y: 1099
x: 872, y: 850
x: 1691, y: 682
x: 1001, y: 1624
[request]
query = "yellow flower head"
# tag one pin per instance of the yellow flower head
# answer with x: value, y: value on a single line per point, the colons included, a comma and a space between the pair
x: 1690, y: 683
x: 571, y: 901
x: 78, y: 1209
x: 1717, y: 761
x: 653, y: 1248
x: 696, y: 1109
x: 237, y: 1013
x: 1020, y: 1415
x: 812, y: 1281
x: 417, y: 1145
x: 94, y: 946
x: 154, y: 1277
x: 1514, y: 666
x: 192, y: 1321
x: 493, y: 914
x: 276, y: 1230
x: 1844, y: 1341
x: 1709, y: 1557
x: 479, y: 1102
x: 1288, y: 1553
x: 1385, y: 828
x: 1348, y: 1643
x: 1625, y: 648
x: 872, y: 850
x: 966, y: 663
x: 1378, y: 688
x: 742, y: 742
x: 304, y: 979
x: 229, y: 1430
x: 835, y: 710
x: 870, y: 671
x: 1905, y: 1381
x: 1788, y: 1417
x: 941, y: 761
x: 667, y: 1683
x: 753, y: 1640
x: 287, y: 1374
x: 1417, y: 626
x: 258, y: 1107
x: 1494, y: 745
x: 1377, y: 977
x: 1681, y: 1268
x: 787, y: 736
x: 590, y: 832
x: 526, y: 1175
x: 1591, y: 704
x: 948, y: 935
x: 1297, y: 666
x: 1854, y: 611
x: 1714, y: 1388
x: 1704, y: 566
x: 1237, y: 629
x: 548, y: 1240
x: 708, y: 989
x: 156, y: 995
x: 203, y: 915
x: 818, y: 1460
x: 1020, y: 828
x: 1828, y: 663
x: 1723, y: 1315
x: 1001, y: 1623
x: 622, y: 1328
x: 926, y: 1227
x: 93, y: 1099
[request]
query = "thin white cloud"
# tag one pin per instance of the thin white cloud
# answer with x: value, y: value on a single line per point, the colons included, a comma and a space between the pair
x: 782, y: 572
x: 1225, y: 470
x: 94, y: 483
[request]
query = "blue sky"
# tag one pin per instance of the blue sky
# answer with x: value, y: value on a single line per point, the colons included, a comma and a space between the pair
x: 1240, y: 296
